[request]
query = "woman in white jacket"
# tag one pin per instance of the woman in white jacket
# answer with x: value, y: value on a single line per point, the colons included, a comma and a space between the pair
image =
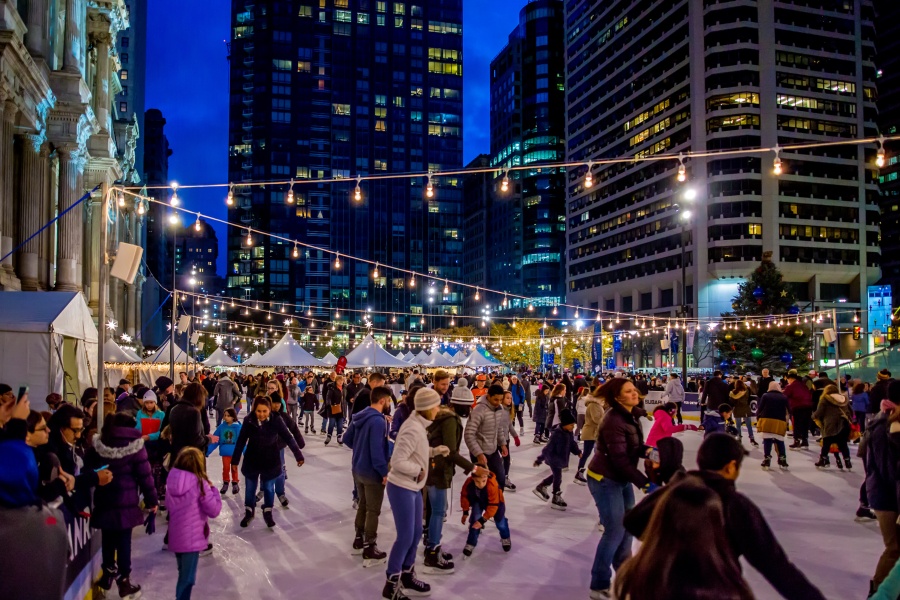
x: 405, y: 480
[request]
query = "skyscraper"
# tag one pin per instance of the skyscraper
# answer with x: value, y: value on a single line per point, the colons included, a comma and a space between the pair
x: 131, y: 45
x: 527, y: 221
x: 323, y: 93
x: 646, y: 78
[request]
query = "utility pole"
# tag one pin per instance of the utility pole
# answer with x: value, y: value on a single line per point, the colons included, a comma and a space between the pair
x: 103, y: 292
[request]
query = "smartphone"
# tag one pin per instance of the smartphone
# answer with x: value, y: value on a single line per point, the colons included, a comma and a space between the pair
x: 23, y: 390
x: 103, y: 468
x: 654, y: 455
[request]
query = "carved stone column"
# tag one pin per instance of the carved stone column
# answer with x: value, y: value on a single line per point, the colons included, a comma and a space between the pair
x: 32, y: 183
x: 90, y: 260
x: 7, y: 215
x: 68, y: 261
x: 101, y: 87
x: 130, y: 308
x: 36, y: 20
x: 72, y: 44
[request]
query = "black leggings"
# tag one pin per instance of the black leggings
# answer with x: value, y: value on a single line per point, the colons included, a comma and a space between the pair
x: 840, y: 440
x: 555, y: 478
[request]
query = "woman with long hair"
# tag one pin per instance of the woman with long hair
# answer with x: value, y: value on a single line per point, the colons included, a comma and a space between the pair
x: 595, y: 408
x: 739, y: 398
x: 833, y: 417
x: 685, y: 554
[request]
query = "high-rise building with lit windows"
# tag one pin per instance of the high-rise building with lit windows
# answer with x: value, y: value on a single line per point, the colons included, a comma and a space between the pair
x: 323, y: 92
x: 646, y: 78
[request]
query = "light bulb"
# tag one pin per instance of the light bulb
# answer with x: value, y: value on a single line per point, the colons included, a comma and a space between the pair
x: 477, y: 295
x: 598, y: 318
x: 296, y: 252
x: 576, y: 312
x: 357, y: 193
x: 554, y: 311
x: 337, y: 262
x: 393, y: 318
x: 452, y: 323
x: 682, y: 172
x: 121, y: 198
x: 337, y: 314
x: 504, y: 301
x: 375, y: 271
x: 412, y: 280
x: 530, y: 307
x: 429, y: 188
x: 173, y: 218
x: 175, y: 200
x: 589, y: 177
x: 446, y: 287
x: 249, y: 238
x: 777, y: 166
x: 140, y: 208
x: 197, y: 226
x: 879, y: 158
x: 229, y: 199
x: 504, y: 185
x: 290, y: 194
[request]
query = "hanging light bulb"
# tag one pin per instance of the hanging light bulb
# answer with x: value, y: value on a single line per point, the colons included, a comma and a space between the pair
x: 446, y: 287
x: 879, y: 156
x: 375, y: 272
x: 140, y: 207
x: 120, y: 197
x: 682, y: 171
x: 530, y: 307
x: 589, y: 177
x: 477, y: 295
x: 452, y: 322
x: 357, y: 193
x: 429, y: 188
x: 504, y: 303
x: 296, y: 251
x: 554, y: 311
x: 337, y: 261
x: 576, y: 312
x: 776, y: 164
x: 175, y: 200
x: 290, y: 194
x: 393, y: 318
x: 598, y: 316
x: 249, y: 238
x: 504, y: 185
x: 412, y: 280
x: 229, y: 199
x: 337, y: 314
x: 197, y: 225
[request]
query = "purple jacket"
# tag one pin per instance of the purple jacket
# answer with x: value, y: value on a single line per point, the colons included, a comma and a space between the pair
x: 189, y: 511
x: 116, y: 505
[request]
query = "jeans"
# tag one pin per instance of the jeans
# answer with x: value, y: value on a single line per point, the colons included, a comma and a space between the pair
x: 229, y: 471
x: 519, y: 414
x: 371, y: 497
x: 779, y: 447
x: 586, y: 453
x: 268, y: 488
x: 613, y: 500
x: 802, y: 421
x: 293, y: 411
x: 325, y: 420
x: 737, y: 423
x: 279, y: 481
x: 555, y: 478
x: 116, y: 550
x: 220, y: 416
x: 680, y: 417
x: 499, y: 520
x: 339, y: 420
x: 406, y: 506
x: 187, y: 574
x: 309, y: 419
x: 840, y: 440
x: 538, y: 429
x: 887, y: 523
x: 437, y: 498
x: 496, y: 466
x: 528, y: 403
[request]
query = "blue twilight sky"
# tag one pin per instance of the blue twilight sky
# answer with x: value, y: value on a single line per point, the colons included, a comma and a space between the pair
x: 187, y: 79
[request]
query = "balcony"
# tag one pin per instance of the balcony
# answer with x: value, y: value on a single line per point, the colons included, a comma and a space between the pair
x: 247, y: 165
x: 247, y: 99
x: 248, y: 88
x: 248, y: 61
x: 248, y: 73
x: 247, y: 139
x: 246, y: 218
x: 247, y: 125
x: 247, y: 113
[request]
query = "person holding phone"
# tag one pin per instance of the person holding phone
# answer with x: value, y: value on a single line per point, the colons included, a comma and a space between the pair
x: 66, y: 431
x: 13, y: 412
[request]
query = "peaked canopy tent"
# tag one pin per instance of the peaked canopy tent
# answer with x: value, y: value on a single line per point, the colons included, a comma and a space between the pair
x: 476, y: 360
x: 438, y: 360
x: 253, y: 357
x: 132, y: 354
x: 408, y: 356
x: 286, y: 353
x: 370, y: 354
x: 421, y: 359
x: 158, y: 363
x: 48, y: 341
x: 219, y: 359
x: 329, y: 359
x: 119, y: 364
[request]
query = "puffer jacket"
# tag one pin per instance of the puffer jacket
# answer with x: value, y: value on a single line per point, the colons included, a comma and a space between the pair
x: 540, y: 406
x: 189, y: 510
x: 263, y: 457
x: 662, y: 426
x: 226, y: 391
x: 798, y: 395
x: 620, y: 445
x: 446, y: 430
x: 833, y: 413
x: 411, y: 455
x: 740, y: 402
x: 592, y: 417
x: 486, y: 429
x: 117, y: 504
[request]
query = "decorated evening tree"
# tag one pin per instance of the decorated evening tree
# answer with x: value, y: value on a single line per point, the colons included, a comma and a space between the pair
x: 773, y: 340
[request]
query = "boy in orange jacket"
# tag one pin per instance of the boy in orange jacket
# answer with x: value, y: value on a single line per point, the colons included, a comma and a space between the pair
x: 482, y: 497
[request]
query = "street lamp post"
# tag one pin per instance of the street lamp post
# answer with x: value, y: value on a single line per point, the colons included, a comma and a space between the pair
x: 684, y: 216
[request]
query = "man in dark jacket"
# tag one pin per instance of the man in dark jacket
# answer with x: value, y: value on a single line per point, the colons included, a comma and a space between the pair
x: 350, y: 391
x: 715, y: 393
x: 880, y: 460
x: 367, y: 436
x: 66, y: 427
x: 719, y: 459
x: 800, y: 401
x: 187, y: 421
x: 879, y: 391
x: 363, y: 398
x: 762, y: 384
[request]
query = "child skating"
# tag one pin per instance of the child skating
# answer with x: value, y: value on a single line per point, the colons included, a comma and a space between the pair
x: 227, y: 432
x: 481, y: 500
x: 556, y: 455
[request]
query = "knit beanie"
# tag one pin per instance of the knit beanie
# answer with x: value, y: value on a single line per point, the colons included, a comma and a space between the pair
x: 566, y: 417
x: 427, y: 398
x: 462, y: 382
x: 462, y: 395
x: 883, y: 374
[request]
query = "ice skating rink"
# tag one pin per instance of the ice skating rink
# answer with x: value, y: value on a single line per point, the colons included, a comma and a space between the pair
x: 308, y: 554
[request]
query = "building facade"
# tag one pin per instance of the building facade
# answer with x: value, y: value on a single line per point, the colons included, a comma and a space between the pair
x: 158, y: 257
x: 131, y: 47
x: 59, y: 76
x: 324, y: 92
x: 476, y: 204
x: 647, y: 77
x: 527, y: 221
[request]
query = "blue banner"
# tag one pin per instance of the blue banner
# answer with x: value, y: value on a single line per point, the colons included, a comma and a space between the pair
x: 673, y: 342
x: 597, y: 348
x: 611, y: 363
x: 617, y: 342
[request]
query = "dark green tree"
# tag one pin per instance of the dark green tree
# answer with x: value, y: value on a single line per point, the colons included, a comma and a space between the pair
x: 764, y: 299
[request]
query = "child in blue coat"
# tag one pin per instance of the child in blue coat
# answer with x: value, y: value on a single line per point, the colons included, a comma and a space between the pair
x: 719, y: 422
x: 227, y: 432
x: 556, y: 454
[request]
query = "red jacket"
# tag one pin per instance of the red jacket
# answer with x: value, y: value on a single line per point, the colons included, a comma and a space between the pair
x: 492, y: 491
x: 798, y: 395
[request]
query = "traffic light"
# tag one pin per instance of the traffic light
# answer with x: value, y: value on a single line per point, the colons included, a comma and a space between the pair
x: 856, y: 331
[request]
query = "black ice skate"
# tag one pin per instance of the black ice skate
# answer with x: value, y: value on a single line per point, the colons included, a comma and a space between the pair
x: 509, y: 486
x: 558, y: 503
x: 579, y: 477
x: 268, y: 518
x: 372, y: 556
x: 782, y: 463
x: 235, y: 488
x: 107, y: 579
x: 766, y: 463
x: 224, y: 489
x: 435, y: 563
x: 467, y: 551
x: 823, y: 462
x: 391, y: 589
x: 358, y: 544
x: 839, y: 463
x: 506, y: 543
x: 284, y: 500
x: 847, y: 462
x: 249, y: 513
x: 412, y: 586
x: 541, y: 492
x: 127, y: 590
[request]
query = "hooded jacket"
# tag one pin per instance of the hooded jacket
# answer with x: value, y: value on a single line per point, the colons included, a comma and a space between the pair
x: 556, y: 452
x: 674, y: 390
x: 715, y: 393
x: 367, y: 436
x: 662, y: 427
x: 411, y: 454
x: 740, y: 402
x: 833, y: 413
x: 263, y: 457
x: 186, y: 424
x: 446, y: 430
x: 486, y: 428
x: 489, y: 499
x: 880, y: 457
x: 798, y: 395
x: 189, y: 510
x: 541, y: 403
x: 620, y: 445
x: 117, y: 504
x: 226, y: 391
x: 748, y: 535
x: 157, y: 416
x: 593, y: 415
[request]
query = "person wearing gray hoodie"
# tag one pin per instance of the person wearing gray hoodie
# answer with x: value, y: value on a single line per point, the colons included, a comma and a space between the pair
x: 833, y: 417
x: 226, y: 391
x: 486, y: 433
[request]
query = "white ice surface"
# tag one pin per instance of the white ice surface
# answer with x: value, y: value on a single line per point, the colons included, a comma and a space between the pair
x: 307, y: 554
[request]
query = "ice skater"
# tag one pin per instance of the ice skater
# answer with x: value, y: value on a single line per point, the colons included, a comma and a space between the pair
x: 771, y: 424
x: 482, y: 500
x: 227, y: 432
x: 556, y: 455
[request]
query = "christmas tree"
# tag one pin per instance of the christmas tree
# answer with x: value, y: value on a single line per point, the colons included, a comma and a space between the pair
x: 774, y: 343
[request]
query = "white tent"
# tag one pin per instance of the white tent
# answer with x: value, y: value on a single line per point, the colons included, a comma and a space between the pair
x: 477, y: 359
x: 439, y: 360
x: 369, y: 354
x: 48, y: 342
x: 448, y: 356
x: 134, y: 355
x: 119, y: 363
x: 421, y: 358
x: 254, y: 359
x: 329, y: 359
x: 219, y: 359
x: 161, y: 356
x: 286, y: 353
x: 113, y: 353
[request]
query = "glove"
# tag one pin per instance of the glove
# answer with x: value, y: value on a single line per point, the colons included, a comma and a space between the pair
x: 691, y: 428
x: 150, y: 523
x: 537, y: 463
x: 518, y: 442
x: 442, y: 450
x: 649, y: 488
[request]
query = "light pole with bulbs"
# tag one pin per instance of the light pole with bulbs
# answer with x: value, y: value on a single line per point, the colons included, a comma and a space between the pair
x: 689, y: 195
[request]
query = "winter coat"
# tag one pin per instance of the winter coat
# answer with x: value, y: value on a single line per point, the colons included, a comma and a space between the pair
x: 189, y: 510
x: 226, y: 391
x: 117, y: 504
x: 446, y: 430
x: 411, y: 455
x: 400, y: 416
x: 771, y: 415
x: 71, y: 460
x: 489, y: 499
x: 486, y: 429
x: 228, y: 435
x: 833, y: 413
x: 518, y: 393
x: 715, y: 393
x: 662, y: 427
x: 310, y: 401
x: 740, y: 402
x: 592, y: 417
x: 293, y: 392
x: 50, y: 487
x: 762, y: 385
x: 877, y: 393
x: 541, y: 405
x: 554, y: 408
x: 292, y: 427
x: 157, y: 416
x: 880, y: 457
x: 367, y: 436
x: 714, y: 422
x: 674, y: 390
x: 620, y: 445
x: 556, y: 453
x: 351, y: 390
x: 334, y: 398
x: 747, y: 531
x: 263, y: 458
x: 859, y: 402
x: 186, y: 424
x: 798, y: 395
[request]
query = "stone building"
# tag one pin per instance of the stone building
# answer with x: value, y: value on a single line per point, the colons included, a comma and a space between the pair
x: 58, y: 77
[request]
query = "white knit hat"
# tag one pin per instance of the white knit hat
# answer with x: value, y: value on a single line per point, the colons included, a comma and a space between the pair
x: 427, y: 398
x: 462, y: 395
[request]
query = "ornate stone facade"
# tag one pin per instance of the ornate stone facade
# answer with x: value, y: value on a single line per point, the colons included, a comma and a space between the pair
x: 58, y: 77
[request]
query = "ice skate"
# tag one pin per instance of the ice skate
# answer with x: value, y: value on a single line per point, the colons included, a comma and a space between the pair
x: 537, y: 440
x: 541, y: 492
x: 839, y: 463
x: 521, y: 431
x: 224, y: 489
x: 507, y: 544
x: 235, y: 488
x: 372, y: 556
x: 467, y: 551
x: 864, y: 513
x: 355, y: 503
x: 601, y: 595
x: 127, y: 590
x: 754, y: 443
x: 558, y: 503
x: 391, y: 589
x: 327, y: 439
x: 580, y: 478
x: 284, y: 500
x: 823, y: 462
x: 358, y: 544
x: 782, y: 463
x: 249, y: 514
x: 107, y: 579
x: 435, y: 563
x: 510, y: 486
x: 413, y: 587
x: 847, y: 462
x: 766, y: 463
x: 268, y: 518
x: 208, y: 551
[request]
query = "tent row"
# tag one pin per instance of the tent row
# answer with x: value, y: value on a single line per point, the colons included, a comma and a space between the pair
x: 436, y: 359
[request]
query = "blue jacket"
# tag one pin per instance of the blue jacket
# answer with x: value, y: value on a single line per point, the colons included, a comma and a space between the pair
x: 367, y: 436
x: 860, y: 402
x: 714, y: 423
x: 556, y: 453
x: 881, y: 464
x: 141, y: 415
x: 518, y: 393
x: 228, y: 435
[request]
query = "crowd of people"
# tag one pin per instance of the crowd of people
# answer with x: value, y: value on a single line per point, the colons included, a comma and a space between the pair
x: 406, y: 433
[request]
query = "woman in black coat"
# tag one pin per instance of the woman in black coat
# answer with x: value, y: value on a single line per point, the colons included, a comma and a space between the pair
x: 260, y: 433
x: 291, y: 424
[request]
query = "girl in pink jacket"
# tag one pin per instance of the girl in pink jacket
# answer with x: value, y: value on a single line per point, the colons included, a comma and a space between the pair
x: 191, y: 500
x: 663, y: 425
